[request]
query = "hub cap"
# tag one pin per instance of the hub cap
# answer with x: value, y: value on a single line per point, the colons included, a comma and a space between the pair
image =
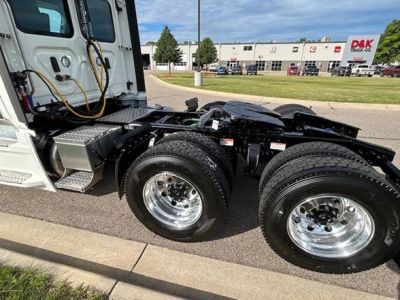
x: 172, y: 200
x: 330, y: 226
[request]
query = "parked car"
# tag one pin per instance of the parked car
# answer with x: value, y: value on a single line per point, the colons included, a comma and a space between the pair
x: 251, y: 70
x: 213, y: 68
x: 362, y: 70
x: 237, y: 70
x: 310, y: 70
x: 378, y: 70
x: 391, y: 71
x: 293, y: 71
x: 222, y: 71
x: 341, y: 71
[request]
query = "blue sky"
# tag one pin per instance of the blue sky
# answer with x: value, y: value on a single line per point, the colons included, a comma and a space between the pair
x: 261, y: 21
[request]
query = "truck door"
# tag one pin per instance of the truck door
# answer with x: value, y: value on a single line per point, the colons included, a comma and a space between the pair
x: 19, y: 162
x: 52, y: 41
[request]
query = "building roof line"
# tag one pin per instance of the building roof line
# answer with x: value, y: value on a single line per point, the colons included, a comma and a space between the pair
x: 264, y: 43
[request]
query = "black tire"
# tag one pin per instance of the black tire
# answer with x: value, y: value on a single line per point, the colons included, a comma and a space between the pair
x: 192, y: 164
x: 296, y: 152
x: 289, y: 109
x: 211, y: 105
x: 215, y: 151
x: 325, y: 175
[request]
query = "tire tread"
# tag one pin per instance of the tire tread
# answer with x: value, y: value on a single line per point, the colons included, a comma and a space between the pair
x: 190, y: 153
x: 309, y: 149
x: 316, y: 166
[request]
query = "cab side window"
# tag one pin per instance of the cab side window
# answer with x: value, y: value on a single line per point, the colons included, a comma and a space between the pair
x: 101, y: 20
x: 43, y: 17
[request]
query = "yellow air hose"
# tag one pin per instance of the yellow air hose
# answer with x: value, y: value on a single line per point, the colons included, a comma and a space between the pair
x: 65, y: 101
x: 83, y: 92
x: 99, y: 83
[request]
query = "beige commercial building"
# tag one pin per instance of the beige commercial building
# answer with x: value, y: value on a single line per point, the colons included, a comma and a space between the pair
x: 272, y: 56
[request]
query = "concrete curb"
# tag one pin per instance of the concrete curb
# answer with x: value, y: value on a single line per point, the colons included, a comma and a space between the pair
x: 131, y: 270
x: 261, y: 99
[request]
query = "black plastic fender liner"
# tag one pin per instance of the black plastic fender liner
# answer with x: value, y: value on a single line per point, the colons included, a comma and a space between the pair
x: 375, y: 155
x: 303, y: 119
x: 129, y: 147
x: 252, y: 112
x: 290, y: 109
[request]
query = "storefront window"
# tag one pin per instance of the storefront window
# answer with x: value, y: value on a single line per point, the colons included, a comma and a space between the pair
x: 260, y: 65
x: 276, y: 65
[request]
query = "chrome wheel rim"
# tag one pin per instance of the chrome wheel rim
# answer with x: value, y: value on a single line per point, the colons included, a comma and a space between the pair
x: 330, y: 226
x: 172, y: 200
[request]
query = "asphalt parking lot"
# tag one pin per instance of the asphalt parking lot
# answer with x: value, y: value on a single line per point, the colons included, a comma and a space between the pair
x: 241, y: 241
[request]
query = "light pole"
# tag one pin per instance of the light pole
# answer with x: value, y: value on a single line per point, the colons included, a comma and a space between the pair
x: 198, y: 80
x: 302, y: 54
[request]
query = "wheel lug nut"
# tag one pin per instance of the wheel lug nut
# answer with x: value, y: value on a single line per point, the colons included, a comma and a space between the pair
x: 173, y: 203
x: 163, y: 194
x: 311, y: 227
x: 186, y: 206
x: 302, y: 210
x: 194, y: 192
x: 328, y: 228
x: 160, y: 183
x: 297, y: 220
x: 344, y: 222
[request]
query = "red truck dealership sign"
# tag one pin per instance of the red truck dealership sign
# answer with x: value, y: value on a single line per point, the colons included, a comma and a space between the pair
x: 361, y: 45
x: 360, y: 49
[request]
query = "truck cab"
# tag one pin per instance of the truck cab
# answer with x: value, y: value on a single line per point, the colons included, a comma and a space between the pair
x: 60, y: 61
x: 73, y: 105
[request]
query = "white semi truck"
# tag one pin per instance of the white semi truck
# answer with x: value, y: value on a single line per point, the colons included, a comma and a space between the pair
x: 72, y: 101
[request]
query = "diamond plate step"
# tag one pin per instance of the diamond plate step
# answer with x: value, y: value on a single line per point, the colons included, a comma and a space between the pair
x: 14, y: 177
x: 80, y: 181
x: 84, y: 135
x: 7, y: 142
x: 127, y: 115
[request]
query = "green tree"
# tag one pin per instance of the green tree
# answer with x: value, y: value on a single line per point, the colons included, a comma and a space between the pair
x: 208, y: 52
x: 151, y: 43
x: 389, y: 45
x: 302, y: 40
x: 167, y: 49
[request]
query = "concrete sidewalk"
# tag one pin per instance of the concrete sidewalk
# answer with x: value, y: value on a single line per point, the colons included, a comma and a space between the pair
x: 130, y: 270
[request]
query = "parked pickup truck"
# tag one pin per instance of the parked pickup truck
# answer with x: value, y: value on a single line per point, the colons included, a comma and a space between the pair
x: 362, y: 70
x: 310, y: 70
x: 391, y: 71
